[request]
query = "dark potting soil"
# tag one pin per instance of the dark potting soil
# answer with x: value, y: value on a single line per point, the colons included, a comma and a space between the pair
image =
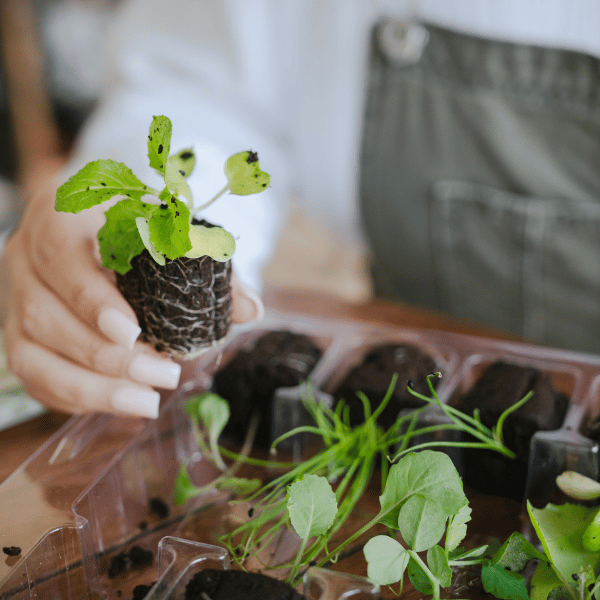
x: 278, y: 359
x: 158, y: 507
x: 499, y: 386
x: 238, y: 585
x: 136, y: 558
x: 140, y: 591
x: 373, y: 377
x: 11, y: 550
x: 183, y: 306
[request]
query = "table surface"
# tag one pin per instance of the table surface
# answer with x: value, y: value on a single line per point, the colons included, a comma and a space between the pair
x: 18, y: 443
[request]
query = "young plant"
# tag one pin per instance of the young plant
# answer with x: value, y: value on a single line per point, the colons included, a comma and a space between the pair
x: 349, y: 458
x: 147, y: 230
x: 423, y: 499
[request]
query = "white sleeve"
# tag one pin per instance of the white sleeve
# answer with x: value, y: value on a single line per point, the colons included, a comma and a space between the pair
x: 205, y: 65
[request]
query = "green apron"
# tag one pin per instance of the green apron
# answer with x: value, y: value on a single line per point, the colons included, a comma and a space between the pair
x: 480, y: 181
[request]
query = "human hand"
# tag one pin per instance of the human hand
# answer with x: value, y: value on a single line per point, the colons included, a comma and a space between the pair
x: 69, y: 335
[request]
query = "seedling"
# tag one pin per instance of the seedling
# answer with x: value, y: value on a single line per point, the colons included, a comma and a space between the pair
x: 172, y: 268
x: 161, y: 224
x: 421, y: 492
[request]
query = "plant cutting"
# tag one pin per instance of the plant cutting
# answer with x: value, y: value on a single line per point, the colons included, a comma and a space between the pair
x: 302, y: 497
x: 173, y: 268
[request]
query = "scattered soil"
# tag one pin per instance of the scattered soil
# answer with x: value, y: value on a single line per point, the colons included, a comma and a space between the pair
x: 140, y: 591
x: 159, y: 508
x: 136, y: 558
x: 183, y: 307
x: 11, y: 550
x: 501, y: 385
x: 373, y: 377
x: 238, y: 585
x: 278, y: 359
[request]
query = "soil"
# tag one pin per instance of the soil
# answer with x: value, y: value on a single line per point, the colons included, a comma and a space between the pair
x: 11, y: 550
x: 238, y: 585
x: 501, y: 385
x: 140, y: 591
x: 183, y: 307
x: 374, y: 374
x: 136, y: 558
x: 158, y: 507
x: 278, y: 359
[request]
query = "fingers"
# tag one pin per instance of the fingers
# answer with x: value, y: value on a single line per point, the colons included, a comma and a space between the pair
x: 62, y: 385
x: 246, y: 303
x: 66, y: 264
x: 44, y: 319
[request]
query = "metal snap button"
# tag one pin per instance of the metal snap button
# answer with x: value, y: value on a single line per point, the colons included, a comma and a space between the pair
x: 403, y: 41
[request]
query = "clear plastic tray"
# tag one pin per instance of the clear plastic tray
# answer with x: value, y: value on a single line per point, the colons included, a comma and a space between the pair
x: 99, y: 487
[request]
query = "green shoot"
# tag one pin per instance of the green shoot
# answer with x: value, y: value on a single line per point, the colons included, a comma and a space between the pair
x: 161, y: 225
x: 348, y: 460
x: 312, y: 507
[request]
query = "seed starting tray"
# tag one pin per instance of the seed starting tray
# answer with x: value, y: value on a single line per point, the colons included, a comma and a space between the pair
x: 91, y: 510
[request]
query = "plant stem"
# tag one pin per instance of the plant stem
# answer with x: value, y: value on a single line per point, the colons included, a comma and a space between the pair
x: 434, y: 582
x: 214, y: 198
x: 297, y: 561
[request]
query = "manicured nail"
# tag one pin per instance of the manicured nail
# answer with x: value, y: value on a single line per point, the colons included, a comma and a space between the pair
x: 118, y: 328
x: 255, y: 307
x: 155, y: 371
x: 134, y: 401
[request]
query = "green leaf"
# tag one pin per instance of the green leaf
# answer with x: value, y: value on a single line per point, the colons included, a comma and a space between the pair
x: 428, y: 473
x: 515, y: 553
x: 503, y: 584
x: 561, y: 529
x: 545, y: 581
x: 211, y: 241
x: 386, y: 560
x: 144, y: 231
x: 97, y: 182
x: 213, y: 412
x: 244, y: 174
x: 169, y: 228
x: 159, y: 142
x: 183, y: 161
x: 239, y: 485
x: 457, y: 528
x: 177, y: 184
x: 312, y: 505
x: 437, y: 561
x: 421, y: 522
x: 462, y: 554
x: 419, y: 578
x: 119, y: 237
x: 184, y: 488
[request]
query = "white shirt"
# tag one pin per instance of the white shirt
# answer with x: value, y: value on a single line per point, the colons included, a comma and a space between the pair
x: 284, y: 78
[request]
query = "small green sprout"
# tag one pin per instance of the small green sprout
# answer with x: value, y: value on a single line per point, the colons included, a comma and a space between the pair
x: 162, y: 225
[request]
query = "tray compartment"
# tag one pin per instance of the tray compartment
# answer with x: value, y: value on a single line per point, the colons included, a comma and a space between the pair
x: 97, y: 500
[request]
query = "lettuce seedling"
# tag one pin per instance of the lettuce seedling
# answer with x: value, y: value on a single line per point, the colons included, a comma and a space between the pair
x: 161, y: 224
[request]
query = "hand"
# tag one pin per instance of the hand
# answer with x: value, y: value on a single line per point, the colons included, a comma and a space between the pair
x: 70, y: 336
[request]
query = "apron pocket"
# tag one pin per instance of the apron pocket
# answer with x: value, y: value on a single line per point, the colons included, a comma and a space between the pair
x: 524, y: 264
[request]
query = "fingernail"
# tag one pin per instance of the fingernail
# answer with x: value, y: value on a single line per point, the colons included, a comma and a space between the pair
x: 134, y: 401
x: 256, y: 309
x: 118, y: 328
x: 155, y: 371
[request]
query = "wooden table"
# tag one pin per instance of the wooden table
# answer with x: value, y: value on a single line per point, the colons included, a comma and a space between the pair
x: 17, y: 443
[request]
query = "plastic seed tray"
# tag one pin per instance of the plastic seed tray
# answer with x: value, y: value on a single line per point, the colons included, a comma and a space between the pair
x: 91, y: 510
